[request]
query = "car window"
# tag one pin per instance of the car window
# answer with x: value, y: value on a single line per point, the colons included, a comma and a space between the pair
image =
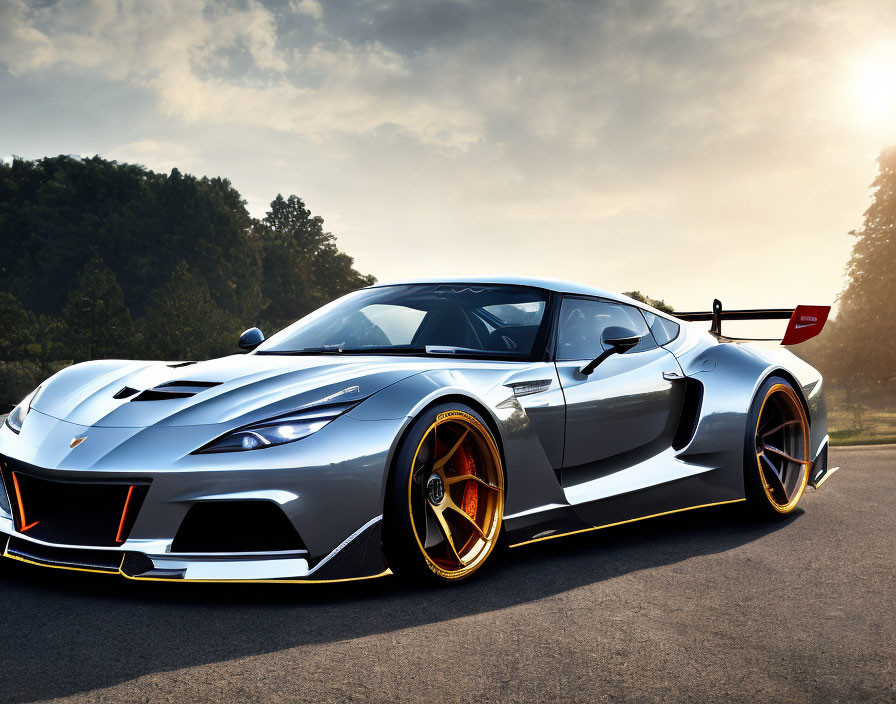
x: 663, y: 330
x: 582, y: 322
x: 528, y: 313
x: 397, y: 323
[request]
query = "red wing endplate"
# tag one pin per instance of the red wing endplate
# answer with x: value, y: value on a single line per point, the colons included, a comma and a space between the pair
x: 805, y: 323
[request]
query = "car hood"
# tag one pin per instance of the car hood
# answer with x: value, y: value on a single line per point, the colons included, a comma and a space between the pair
x: 239, y: 389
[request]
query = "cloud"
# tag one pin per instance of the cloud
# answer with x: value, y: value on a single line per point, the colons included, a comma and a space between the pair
x: 186, y: 53
x: 666, y: 128
x: 155, y: 155
x: 312, y: 8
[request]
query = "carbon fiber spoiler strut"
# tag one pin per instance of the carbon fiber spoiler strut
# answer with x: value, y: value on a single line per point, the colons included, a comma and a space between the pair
x: 805, y: 321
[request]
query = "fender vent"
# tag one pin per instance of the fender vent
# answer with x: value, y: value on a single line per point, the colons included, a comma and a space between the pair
x: 690, y: 413
x: 172, y: 389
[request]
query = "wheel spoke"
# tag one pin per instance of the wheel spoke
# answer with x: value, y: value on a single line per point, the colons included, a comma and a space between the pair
x: 778, y: 427
x: 449, y: 503
x: 442, y: 461
x: 434, y: 534
x: 446, y: 531
x: 771, y: 448
x: 449, y: 481
x: 777, y: 481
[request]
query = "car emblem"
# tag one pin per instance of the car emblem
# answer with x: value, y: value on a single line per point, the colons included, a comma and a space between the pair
x: 77, y: 441
x: 435, y: 489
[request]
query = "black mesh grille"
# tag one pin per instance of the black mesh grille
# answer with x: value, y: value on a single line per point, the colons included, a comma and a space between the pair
x: 136, y: 563
x: 362, y: 557
x: 72, y: 512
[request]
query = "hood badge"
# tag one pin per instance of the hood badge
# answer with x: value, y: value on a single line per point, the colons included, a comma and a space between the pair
x: 77, y: 441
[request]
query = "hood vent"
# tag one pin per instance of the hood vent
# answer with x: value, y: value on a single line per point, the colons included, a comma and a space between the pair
x: 172, y: 389
x: 125, y: 392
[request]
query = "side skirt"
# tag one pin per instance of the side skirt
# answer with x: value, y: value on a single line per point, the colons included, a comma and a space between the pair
x: 673, y: 497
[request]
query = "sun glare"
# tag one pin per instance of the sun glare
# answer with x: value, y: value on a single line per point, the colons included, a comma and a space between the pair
x: 875, y: 86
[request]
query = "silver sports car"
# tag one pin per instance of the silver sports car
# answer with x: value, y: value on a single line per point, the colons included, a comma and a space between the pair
x: 412, y: 428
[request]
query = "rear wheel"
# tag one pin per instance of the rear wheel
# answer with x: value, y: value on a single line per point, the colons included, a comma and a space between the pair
x: 445, y: 501
x: 776, y: 456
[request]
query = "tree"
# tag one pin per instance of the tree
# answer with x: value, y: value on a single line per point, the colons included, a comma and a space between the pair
x: 303, y: 268
x: 222, y: 270
x: 97, y: 322
x: 864, y: 311
x: 657, y: 303
x: 184, y: 322
x: 15, y: 328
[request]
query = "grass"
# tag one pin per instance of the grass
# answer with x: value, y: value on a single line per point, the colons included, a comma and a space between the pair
x: 875, y: 425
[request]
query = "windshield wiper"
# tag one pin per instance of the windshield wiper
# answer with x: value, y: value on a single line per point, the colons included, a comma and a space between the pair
x: 342, y: 349
x: 451, y: 351
x: 429, y: 350
x: 325, y: 349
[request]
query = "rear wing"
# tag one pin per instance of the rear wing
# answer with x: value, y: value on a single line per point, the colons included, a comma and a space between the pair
x: 805, y: 321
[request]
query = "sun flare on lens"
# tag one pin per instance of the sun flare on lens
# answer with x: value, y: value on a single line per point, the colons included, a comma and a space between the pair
x: 875, y: 86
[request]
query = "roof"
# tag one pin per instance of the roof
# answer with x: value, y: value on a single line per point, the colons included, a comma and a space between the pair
x: 558, y: 285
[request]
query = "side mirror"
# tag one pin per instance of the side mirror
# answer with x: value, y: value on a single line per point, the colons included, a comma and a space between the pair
x: 251, y: 338
x: 617, y: 340
x: 620, y: 339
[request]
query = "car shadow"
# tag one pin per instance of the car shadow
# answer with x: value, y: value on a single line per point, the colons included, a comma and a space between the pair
x: 68, y: 632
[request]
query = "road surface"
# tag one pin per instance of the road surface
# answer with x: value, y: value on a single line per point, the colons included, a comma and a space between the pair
x: 700, y: 606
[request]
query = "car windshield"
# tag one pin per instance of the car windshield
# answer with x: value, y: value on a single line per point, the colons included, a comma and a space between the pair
x: 440, y: 319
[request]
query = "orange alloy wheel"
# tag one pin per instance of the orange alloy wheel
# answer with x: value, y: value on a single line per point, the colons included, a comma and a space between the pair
x: 456, y: 494
x: 782, y: 447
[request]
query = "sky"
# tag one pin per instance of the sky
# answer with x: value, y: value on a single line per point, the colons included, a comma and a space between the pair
x: 689, y: 150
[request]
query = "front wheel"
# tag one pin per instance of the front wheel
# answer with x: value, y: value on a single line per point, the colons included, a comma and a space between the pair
x: 445, y: 499
x: 776, y: 455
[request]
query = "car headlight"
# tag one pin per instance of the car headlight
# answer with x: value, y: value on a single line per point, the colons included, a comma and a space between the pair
x: 277, y: 431
x: 17, y: 415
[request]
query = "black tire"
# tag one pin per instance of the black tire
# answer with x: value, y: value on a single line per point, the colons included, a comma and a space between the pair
x: 414, y: 514
x: 776, y: 463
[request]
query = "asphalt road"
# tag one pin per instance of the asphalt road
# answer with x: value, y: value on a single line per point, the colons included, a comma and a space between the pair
x: 701, y: 606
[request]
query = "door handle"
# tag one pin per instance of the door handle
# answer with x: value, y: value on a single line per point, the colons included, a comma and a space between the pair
x: 672, y: 376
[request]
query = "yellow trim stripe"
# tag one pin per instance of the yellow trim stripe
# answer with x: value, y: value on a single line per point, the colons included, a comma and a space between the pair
x: 19, y: 558
x: 258, y: 581
x: 619, y: 523
x: 192, y: 581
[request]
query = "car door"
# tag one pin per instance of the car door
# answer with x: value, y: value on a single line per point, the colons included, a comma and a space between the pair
x: 627, y: 409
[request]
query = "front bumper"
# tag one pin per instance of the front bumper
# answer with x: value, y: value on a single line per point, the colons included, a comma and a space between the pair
x: 359, y: 557
x: 327, y: 487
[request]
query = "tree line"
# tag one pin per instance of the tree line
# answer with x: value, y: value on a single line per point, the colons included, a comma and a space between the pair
x: 100, y: 259
x: 857, y: 351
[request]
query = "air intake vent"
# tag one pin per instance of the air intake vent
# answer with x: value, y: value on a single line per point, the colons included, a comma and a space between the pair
x: 236, y: 526
x: 174, y: 389
x: 125, y: 392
